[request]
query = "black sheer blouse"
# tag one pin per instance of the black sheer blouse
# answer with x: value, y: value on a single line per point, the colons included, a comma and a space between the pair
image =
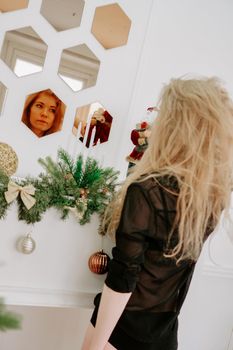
x: 158, y: 284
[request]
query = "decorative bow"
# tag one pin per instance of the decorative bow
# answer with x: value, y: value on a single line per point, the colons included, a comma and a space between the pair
x: 26, y: 193
x: 78, y: 215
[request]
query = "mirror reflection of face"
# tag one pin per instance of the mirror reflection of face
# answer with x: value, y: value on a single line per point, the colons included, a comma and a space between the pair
x: 42, y: 114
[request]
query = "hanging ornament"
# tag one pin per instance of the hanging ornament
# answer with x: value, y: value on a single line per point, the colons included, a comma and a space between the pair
x: 84, y: 192
x: 68, y: 176
x: 27, y: 245
x: 8, y: 159
x: 98, y: 262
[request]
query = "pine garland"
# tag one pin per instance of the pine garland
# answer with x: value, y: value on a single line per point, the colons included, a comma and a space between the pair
x: 69, y: 185
x: 43, y: 201
x: 3, y: 188
x: 8, y: 320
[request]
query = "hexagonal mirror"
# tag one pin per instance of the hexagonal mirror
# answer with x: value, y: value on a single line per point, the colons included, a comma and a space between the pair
x: 92, y: 124
x: 23, y: 51
x: 43, y: 113
x: 12, y: 5
x: 62, y: 14
x: 111, y: 26
x: 3, y: 91
x: 79, y: 67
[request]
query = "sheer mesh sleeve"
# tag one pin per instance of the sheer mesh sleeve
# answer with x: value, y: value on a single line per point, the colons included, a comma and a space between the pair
x: 128, y: 255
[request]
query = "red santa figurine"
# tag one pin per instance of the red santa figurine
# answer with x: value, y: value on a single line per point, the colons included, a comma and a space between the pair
x: 139, y: 137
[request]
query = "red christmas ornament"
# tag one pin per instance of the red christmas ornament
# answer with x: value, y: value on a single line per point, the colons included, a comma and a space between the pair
x: 98, y: 262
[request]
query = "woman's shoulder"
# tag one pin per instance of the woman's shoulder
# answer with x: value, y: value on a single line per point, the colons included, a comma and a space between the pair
x: 161, y: 191
x: 154, y: 182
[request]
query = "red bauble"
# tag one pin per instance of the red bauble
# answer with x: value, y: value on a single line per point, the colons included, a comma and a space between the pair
x: 98, y: 262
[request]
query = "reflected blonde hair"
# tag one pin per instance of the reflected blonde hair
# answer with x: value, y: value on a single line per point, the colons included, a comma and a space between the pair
x: 191, y: 139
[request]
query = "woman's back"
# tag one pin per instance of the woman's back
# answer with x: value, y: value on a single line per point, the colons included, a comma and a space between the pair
x: 159, y: 284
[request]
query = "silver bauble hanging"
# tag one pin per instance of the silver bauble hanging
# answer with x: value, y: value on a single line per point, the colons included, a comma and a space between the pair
x: 28, y: 244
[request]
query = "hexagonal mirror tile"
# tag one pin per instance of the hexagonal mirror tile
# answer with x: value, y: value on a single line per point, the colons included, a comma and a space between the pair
x: 79, y: 67
x: 3, y: 91
x: 43, y: 113
x: 12, y: 5
x: 62, y: 14
x: 92, y: 124
x: 23, y: 51
x: 111, y: 26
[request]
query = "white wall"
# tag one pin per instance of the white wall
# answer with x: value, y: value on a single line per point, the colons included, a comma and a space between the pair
x: 57, y: 273
x: 47, y: 328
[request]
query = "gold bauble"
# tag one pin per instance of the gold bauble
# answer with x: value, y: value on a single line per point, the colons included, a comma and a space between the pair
x: 8, y: 159
x: 98, y: 262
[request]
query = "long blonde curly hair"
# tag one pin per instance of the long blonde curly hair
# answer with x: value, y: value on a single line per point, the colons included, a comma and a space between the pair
x: 191, y: 139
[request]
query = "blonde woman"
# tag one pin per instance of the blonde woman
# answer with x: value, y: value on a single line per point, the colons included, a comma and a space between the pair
x: 161, y: 217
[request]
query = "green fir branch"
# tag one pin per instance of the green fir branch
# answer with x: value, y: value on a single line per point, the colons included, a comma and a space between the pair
x: 4, y: 179
x: 66, y: 183
x: 8, y: 320
x: 92, y: 173
x: 52, y: 169
x: 65, y: 161
x: 78, y: 170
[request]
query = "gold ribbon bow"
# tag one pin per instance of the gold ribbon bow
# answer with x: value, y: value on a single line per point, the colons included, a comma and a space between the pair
x: 77, y: 214
x: 26, y: 193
